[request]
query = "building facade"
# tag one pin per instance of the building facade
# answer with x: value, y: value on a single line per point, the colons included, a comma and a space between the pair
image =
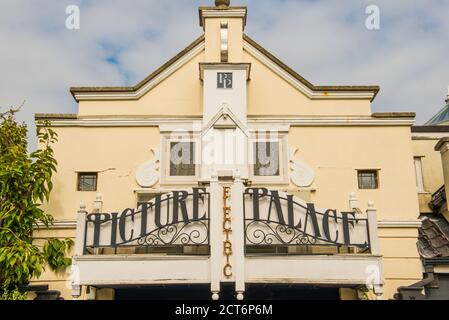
x: 430, y: 144
x: 243, y: 180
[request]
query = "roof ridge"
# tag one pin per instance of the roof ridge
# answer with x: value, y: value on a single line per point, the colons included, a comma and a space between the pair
x: 374, y: 89
x: 75, y: 90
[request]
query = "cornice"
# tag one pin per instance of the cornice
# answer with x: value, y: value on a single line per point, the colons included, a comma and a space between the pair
x: 59, y: 224
x: 442, y: 145
x: 225, y: 66
x: 222, y: 12
x: 268, y: 121
x: 411, y: 224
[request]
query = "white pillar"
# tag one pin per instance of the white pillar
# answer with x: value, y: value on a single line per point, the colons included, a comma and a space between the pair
x: 373, y: 232
x: 353, y: 202
x: 80, y: 230
x: 98, y: 203
x: 215, y: 232
x: 375, y: 248
x: 79, y: 250
x: 238, y: 227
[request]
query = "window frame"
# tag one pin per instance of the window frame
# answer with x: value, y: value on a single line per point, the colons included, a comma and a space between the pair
x: 281, y: 138
x: 377, y: 178
x: 419, y: 175
x: 78, y: 180
x: 167, y: 140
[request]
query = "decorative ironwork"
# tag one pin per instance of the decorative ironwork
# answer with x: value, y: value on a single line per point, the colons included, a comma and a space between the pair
x: 179, y: 218
x: 178, y: 234
x: 277, y: 219
x: 270, y: 233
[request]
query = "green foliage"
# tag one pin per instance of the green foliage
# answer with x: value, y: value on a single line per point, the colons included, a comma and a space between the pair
x: 14, y: 294
x: 25, y: 184
x: 363, y: 292
x: 55, y: 251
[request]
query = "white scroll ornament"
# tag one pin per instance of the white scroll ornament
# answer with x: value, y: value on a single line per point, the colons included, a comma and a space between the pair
x: 302, y: 175
x: 148, y: 175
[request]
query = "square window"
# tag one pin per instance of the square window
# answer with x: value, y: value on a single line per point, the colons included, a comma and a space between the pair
x: 368, y: 179
x: 224, y: 80
x: 182, y: 159
x: 87, y: 181
x: 266, y: 159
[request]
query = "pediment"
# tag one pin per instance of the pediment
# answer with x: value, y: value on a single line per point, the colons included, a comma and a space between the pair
x: 225, y: 119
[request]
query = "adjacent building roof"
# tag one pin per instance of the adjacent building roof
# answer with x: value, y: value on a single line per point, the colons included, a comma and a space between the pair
x: 441, y: 117
x: 433, y: 128
x: 433, y: 241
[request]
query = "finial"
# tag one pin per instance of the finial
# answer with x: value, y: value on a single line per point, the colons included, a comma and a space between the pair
x: 82, y: 207
x: 222, y: 3
x: 353, y: 202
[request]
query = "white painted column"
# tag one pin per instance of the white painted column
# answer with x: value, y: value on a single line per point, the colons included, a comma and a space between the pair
x: 79, y: 250
x: 215, y: 232
x: 353, y: 202
x: 98, y: 203
x: 238, y: 227
x: 373, y: 231
x: 80, y: 230
x: 375, y: 276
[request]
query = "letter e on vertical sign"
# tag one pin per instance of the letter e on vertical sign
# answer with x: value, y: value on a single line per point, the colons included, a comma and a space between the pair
x: 224, y: 80
x: 72, y: 21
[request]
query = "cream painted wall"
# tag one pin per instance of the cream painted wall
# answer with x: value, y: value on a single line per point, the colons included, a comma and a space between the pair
x: 445, y: 160
x: 402, y: 263
x: 335, y: 153
x: 431, y: 167
x: 115, y: 153
x: 431, y: 163
x: 187, y: 100
x: 235, y: 43
x: 269, y: 94
x: 179, y: 95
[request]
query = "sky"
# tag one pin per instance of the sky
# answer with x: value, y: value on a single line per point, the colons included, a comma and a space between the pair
x: 122, y: 41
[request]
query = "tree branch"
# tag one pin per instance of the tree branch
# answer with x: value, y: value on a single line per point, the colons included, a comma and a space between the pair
x: 12, y: 110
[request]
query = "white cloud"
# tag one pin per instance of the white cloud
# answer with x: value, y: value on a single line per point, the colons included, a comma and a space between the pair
x: 325, y: 41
